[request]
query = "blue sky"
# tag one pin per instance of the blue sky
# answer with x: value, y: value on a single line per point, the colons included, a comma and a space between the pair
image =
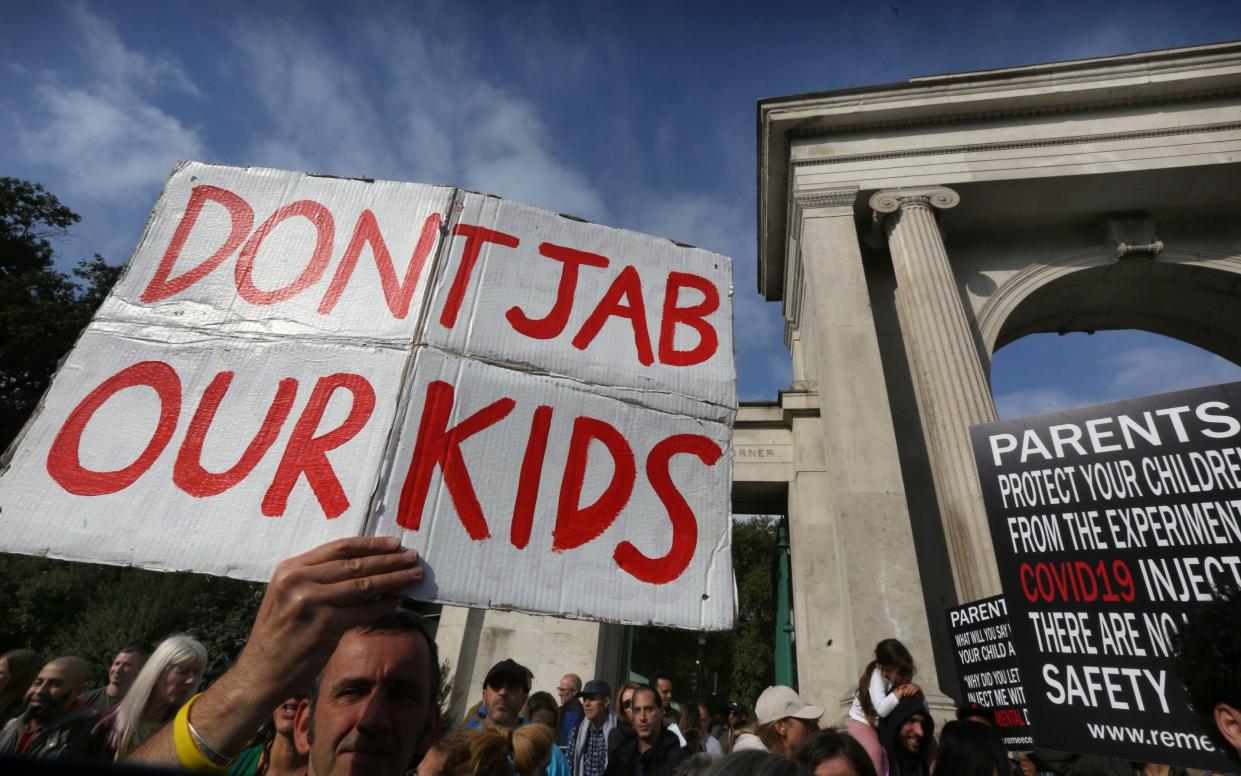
x: 634, y: 114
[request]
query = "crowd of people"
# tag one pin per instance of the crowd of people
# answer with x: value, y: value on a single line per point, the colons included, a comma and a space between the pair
x: 337, y: 678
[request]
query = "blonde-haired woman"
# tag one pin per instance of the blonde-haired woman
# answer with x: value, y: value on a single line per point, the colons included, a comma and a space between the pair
x: 165, y: 683
x: 520, y: 752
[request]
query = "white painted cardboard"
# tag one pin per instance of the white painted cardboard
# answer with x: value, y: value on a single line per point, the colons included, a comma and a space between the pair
x: 583, y: 581
x: 521, y: 282
x: 286, y: 252
x: 152, y: 523
x: 235, y: 318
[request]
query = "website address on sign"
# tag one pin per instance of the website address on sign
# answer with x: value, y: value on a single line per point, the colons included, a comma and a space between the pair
x: 1152, y: 737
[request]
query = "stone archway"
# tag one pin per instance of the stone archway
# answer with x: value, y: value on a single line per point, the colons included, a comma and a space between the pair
x: 912, y: 229
x: 1193, y: 296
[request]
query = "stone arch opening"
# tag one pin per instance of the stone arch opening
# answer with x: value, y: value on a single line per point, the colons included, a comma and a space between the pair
x: 1185, y: 295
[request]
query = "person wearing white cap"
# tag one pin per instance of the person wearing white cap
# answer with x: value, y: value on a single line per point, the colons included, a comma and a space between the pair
x: 784, y: 719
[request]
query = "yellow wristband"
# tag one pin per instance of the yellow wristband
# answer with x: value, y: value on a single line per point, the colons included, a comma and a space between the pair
x: 187, y: 751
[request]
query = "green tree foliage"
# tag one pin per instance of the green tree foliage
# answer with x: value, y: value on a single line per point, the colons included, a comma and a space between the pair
x: 736, y: 664
x: 754, y: 553
x: 42, y: 310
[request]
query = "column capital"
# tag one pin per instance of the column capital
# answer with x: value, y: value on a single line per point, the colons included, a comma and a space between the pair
x: 891, y: 200
x: 814, y: 199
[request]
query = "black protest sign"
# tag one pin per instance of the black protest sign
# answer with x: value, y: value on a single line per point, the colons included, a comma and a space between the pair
x: 1110, y: 525
x: 987, y: 666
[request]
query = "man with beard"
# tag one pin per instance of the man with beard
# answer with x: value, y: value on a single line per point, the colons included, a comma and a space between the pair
x: 125, y: 667
x: 907, y: 735
x: 505, y: 692
x: 655, y: 750
x: 55, y: 724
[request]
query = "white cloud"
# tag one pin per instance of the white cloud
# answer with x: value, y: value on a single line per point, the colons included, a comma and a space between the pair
x: 507, y: 150
x: 1131, y: 372
x: 106, y: 147
x: 315, y: 112
x: 119, y: 66
x: 433, y: 120
x: 1036, y: 401
x: 103, y: 136
x: 1161, y: 368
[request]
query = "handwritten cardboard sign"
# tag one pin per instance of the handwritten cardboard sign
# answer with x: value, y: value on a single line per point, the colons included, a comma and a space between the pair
x: 1110, y: 525
x: 540, y: 405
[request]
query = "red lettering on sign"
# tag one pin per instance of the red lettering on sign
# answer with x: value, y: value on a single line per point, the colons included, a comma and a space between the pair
x: 1076, y: 581
x: 63, y: 461
x: 531, y: 476
x: 305, y: 453
x: 475, y: 238
x: 241, y: 218
x: 397, y: 293
x: 437, y: 445
x: 576, y: 525
x: 629, y: 286
x: 554, y: 322
x: 325, y: 232
x: 694, y: 316
x: 188, y: 473
x: 658, y: 571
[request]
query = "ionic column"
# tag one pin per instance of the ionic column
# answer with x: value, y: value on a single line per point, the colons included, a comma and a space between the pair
x: 855, y: 567
x: 951, y: 389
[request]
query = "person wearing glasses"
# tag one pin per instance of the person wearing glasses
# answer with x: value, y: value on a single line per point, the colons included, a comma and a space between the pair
x: 570, y: 707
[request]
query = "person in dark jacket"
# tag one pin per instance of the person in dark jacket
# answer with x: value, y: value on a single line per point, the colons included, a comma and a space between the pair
x: 18, y: 669
x: 907, y: 735
x: 654, y: 750
x: 971, y: 749
x: 55, y: 724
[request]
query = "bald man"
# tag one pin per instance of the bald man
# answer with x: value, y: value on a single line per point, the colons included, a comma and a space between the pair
x: 570, y: 707
x: 55, y: 724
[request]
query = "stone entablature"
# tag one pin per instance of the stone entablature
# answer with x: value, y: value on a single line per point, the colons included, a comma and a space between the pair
x: 1138, y: 111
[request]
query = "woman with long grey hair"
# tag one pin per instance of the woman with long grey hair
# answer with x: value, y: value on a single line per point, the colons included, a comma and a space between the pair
x: 165, y: 683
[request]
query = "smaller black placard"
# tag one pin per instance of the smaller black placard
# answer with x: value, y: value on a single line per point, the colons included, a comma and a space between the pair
x: 987, y: 666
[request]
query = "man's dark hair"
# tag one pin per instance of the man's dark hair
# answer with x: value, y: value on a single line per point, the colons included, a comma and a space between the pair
x: 970, y: 749
x: 826, y: 744
x: 136, y: 649
x: 646, y: 688
x: 397, y: 621
x: 1207, y: 655
x: 662, y: 677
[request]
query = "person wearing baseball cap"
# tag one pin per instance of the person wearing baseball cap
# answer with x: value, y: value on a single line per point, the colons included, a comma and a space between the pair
x: 784, y: 719
x: 505, y: 692
x: 590, y: 740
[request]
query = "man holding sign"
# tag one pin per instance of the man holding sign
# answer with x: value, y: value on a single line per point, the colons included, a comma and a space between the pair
x: 311, y: 627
